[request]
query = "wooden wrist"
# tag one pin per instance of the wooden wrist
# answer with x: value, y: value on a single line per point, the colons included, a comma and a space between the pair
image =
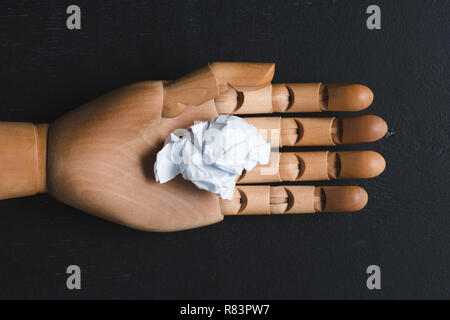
x: 23, y: 159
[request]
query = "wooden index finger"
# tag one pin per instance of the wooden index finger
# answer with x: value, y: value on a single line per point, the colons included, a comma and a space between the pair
x: 295, y: 97
x: 265, y: 199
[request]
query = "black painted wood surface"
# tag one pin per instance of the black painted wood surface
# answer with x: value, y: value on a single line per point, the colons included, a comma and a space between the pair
x: 47, y: 70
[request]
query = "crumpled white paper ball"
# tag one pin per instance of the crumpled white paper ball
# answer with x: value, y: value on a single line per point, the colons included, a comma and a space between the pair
x: 212, y: 154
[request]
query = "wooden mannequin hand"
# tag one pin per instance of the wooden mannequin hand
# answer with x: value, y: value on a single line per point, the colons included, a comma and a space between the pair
x: 100, y: 156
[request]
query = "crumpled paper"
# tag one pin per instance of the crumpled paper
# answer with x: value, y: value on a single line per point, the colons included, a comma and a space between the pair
x: 212, y: 154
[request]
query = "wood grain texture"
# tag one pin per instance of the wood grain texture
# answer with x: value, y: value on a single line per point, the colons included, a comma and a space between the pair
x: 101, y: 156
x: 22, y: 159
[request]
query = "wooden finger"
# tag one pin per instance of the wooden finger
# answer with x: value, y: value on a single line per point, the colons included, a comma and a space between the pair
x: 295, y: 97
x: 210, y: 81
x: 315, y: 166
x: 281, y: 131
x: 249, y: 200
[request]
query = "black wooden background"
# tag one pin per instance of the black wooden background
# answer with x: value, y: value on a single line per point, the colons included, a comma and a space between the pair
x: 47, y: 70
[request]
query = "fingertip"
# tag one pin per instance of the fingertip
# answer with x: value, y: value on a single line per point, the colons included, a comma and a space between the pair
x: 377, y: 128
x: 359, y: 164
x: 375, y: 164
x: 359, y: 199
x: 344, y: 198
x: 361, y: 129
x: 347, y: 97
